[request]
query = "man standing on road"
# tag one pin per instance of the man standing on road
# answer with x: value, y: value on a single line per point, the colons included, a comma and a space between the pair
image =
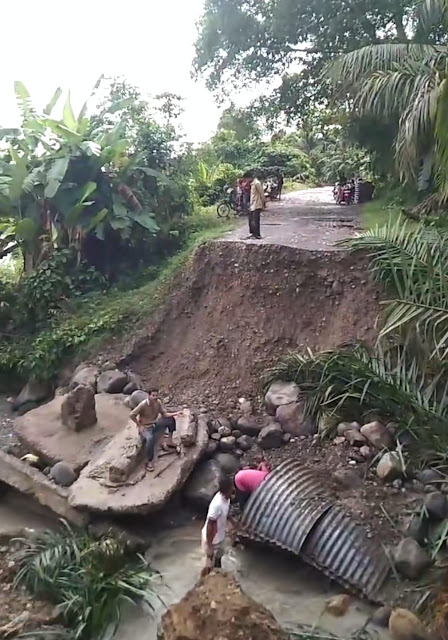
x: 214, y: 530
x: 152, y: 421
x: 257, y: 204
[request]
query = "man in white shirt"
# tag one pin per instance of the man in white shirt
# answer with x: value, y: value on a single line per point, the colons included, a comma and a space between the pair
x: 257, y: 204
x: 214, y: 530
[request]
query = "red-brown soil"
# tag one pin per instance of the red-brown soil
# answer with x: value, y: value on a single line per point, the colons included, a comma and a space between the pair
x: 238, y: 307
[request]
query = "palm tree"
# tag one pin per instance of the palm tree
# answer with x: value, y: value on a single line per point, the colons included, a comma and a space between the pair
x: 409, y: 81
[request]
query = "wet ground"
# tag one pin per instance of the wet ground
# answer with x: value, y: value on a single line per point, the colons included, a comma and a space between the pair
x: 306, y: 219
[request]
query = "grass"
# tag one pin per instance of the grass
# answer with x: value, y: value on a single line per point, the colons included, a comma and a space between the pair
x: 378, y: 213
x: 292, y: 185
x: 89, y: 321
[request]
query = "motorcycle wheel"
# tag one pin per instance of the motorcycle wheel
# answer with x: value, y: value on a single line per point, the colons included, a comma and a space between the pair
x: 223, y: 210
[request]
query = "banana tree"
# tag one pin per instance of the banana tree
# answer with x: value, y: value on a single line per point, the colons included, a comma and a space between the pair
x: 60, y: 181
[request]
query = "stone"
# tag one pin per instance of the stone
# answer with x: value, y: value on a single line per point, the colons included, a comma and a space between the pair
x: 287, y: 437
x: 337, y: 288
x: 292, y: 419
x: 203, y: 483
x: 111, y: 382
x: 130, y: 388
x: 229, y: 463
x: 389, y: 467
x: 244, y: 443
x: 417, y: 528
x: 280, y: 393
x: 430, y: 476
x: 42, y: 431
x: 187, y: 427
x: 338, y: 605
x: 136, y: 397
x: 137, y: 380
x: 366, y: 452
x: 86, y: 376
x: 143, y: 493
x: 339, y: 440
x: 225, y: 423
x: 108, y: 366
x: 216, y: 608
x: 355, y: 438
x: 410, y: 559
x: 34, y: 391
x: 343, y: 427
x: 236, y: 433
x: 227, y: 443
x: 216, y: 437
x: 109, y: 529
x: 271, y: 437
x: 436, y: 505
x: 249, y: 426
x: 212, y: 448
x: 347, y: 478
x: 381, y: 616
x: 224, y: 432
x: 31, y: 481
x: 377, y: 435
x: 63, y: 474
x: 78, y: 410
x: 404, y: 625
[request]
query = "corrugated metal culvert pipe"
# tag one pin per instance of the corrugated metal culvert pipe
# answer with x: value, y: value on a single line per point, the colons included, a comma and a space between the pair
x: 292, y: 511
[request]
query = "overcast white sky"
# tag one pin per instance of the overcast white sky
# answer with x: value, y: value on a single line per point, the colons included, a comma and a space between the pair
x: 51, y: 43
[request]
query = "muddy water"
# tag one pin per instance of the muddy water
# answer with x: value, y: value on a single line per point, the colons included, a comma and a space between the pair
x: 295, y: 593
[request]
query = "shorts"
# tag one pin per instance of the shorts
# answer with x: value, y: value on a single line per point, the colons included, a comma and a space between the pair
x: 218, y: 552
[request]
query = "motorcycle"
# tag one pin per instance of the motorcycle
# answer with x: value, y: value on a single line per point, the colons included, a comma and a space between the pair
x: 344, y: 194
x: 230, y: 204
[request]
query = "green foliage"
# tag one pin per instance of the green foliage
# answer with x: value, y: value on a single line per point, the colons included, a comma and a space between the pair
x: 86, y: 321
x: 347, y: 384
x: 88, y: 580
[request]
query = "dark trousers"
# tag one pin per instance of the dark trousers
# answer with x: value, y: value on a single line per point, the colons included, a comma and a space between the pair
x: 151, y: 432
x: 242, y: 497
x: 254, y: 222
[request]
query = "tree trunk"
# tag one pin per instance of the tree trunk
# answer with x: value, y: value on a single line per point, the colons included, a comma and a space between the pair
x: 29, y: 262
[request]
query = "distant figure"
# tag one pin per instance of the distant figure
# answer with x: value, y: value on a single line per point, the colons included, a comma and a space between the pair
x: 214, y: 530
x: 257, y: 204
x: 244, y: 184
x: 152, y: 421
x: 248, y: 480
x: 280, y: 181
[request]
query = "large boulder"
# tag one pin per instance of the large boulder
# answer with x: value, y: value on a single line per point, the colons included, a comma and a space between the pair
x: 135, y: 398
x: 390, y: 467
x: 249, y: 426
x: 34, y: 391
x: 78, y: 409
x: 377, y: 435
x: 229, y: 463
x: 63, y: 474
x: 227, y: 443
x: 292, y: 419
x: 410, y: 559
x: 203, y: 483
x: 86, y: 376
x: 218, y: 609
x: 112, y: 382
x: 279, y: 394
x: 271, y: 437
x: 244, y: 443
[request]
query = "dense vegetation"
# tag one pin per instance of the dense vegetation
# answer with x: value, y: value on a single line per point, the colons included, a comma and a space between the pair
x: 87, y: 579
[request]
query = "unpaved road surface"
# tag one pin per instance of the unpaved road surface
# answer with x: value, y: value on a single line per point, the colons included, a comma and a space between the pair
x: 306, y: 219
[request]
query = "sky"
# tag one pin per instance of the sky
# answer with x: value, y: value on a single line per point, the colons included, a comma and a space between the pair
x: 53, y: 43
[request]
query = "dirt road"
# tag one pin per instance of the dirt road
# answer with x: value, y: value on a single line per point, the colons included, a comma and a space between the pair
x: 307, y: 219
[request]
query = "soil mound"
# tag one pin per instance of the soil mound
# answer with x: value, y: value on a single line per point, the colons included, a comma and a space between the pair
x: 238, y: 307
x: 217, y: 609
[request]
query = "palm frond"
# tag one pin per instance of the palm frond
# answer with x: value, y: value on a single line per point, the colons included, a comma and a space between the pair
x: 350, y: 383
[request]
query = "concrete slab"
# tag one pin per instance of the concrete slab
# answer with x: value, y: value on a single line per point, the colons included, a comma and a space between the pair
x: 31, y: 481
x: 43, y: 433
x: 143, y: 492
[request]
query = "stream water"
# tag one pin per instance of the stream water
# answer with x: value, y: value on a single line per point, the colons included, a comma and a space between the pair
x: 295, y: 593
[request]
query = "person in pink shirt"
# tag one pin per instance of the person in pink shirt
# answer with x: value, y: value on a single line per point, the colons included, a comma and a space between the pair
x: 248, y: 480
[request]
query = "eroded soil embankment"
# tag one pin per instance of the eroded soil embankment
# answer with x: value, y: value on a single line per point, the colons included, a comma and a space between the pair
x: 238, y: 307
